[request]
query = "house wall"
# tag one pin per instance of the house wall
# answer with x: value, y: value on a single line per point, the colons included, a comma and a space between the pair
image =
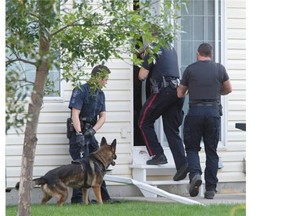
x: 234, y: 151
x: 53, y: 149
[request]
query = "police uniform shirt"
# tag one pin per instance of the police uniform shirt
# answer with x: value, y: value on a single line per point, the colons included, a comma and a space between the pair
x: 166, y: 64
x: 204, y: 80
x: 89, y: 104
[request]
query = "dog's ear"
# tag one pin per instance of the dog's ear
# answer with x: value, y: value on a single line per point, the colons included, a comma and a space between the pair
x: 103, y: 141
x: 113, y: 145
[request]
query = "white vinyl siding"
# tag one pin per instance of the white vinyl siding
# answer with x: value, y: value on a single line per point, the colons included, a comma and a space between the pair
x: 234, y: 152
x: 52, y: 148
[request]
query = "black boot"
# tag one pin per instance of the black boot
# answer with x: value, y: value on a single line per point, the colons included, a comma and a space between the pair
x: 181, y: 173
x: 156, y: 160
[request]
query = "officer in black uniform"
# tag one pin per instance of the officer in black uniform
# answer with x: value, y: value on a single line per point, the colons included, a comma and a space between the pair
x: 88, y: 114
x: 205, y: 81
x: 163, y: 101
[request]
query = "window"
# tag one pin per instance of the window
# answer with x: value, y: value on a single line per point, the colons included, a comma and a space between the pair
x: 201, y: 22
x: 28, y: 73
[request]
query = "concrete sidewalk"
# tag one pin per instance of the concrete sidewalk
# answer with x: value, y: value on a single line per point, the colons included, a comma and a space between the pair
x: 218, y: 199
x: 232, y: 198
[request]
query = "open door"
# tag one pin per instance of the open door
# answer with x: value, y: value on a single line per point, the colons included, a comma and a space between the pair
x: 141, y: 91
x: 137, y: 97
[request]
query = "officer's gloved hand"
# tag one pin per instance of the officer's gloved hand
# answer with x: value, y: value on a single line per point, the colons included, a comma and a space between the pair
x: 90, y: 132
x: 80, y: 139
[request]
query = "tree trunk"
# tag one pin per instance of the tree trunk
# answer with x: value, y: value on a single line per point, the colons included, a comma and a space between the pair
x: 30, y: 139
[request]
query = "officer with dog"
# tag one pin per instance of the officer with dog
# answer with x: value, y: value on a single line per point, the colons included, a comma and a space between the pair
x: 163, y: 101
x: 88, y: 114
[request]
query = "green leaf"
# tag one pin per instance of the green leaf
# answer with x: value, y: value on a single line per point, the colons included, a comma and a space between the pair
x: 78, y: 37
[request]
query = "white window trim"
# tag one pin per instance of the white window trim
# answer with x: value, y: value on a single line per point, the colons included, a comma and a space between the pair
x: 60, y: 98
x: 218, y: 58
x: 224, y: 119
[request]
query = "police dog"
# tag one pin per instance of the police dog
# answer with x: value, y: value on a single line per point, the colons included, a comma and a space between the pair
x: 85, y: 173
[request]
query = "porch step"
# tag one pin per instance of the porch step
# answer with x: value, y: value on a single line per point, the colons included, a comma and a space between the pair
x: 158, y: 175
x: 140, y: 172
x: 167, y: 182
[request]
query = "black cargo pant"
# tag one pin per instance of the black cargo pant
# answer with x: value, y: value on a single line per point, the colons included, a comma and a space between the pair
x: 169, y: 106
x: 202, y: 122
x: 74, y: 150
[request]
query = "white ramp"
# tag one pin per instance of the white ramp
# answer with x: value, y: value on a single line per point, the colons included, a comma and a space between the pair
x: 151, y: 189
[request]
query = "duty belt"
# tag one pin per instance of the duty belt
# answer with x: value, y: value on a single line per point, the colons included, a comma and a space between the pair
x: 204, y: 103
x: 173, y: 82
x: 156, y: 86
x: 86, y: 123
x: 86, y: 119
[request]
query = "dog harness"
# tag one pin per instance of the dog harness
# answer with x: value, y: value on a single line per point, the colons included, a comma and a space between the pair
x: 97, y: 167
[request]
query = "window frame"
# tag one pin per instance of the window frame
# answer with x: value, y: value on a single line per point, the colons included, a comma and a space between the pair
x: 219, y: 56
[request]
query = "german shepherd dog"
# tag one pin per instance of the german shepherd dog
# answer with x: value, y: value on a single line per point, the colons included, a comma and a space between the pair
x: 85, y: 173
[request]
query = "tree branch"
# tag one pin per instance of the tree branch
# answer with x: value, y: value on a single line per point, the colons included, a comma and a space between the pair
x: 10, y: 61
x: 18, y: 58
x: 63, y: 28
x: 73, y: 24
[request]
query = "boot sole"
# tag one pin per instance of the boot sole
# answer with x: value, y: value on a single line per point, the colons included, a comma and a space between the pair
x: 157, y: 163
x: 194, y: 190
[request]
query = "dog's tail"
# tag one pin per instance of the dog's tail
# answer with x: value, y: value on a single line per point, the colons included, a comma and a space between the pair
x: 17, y: 185
x: 37, y: 181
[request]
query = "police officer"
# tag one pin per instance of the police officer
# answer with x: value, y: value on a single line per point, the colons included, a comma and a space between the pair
x: 88, y: 113
x: 163, y: 101
x: 205, y: 81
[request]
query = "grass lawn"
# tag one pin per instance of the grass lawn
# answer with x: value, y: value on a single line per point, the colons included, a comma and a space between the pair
x: 134, y: 208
